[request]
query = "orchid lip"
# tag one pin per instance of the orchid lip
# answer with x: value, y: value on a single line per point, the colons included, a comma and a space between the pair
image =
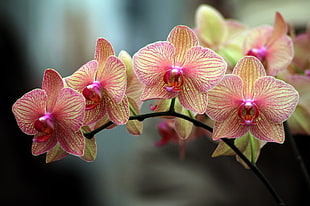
x: 45, y: 126
x: 174, y: 79
x: 259, y: 53
x: 249, y: 113
x: 92, y: 92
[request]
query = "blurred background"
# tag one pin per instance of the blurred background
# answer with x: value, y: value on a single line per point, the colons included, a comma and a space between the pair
x: 128, y: 170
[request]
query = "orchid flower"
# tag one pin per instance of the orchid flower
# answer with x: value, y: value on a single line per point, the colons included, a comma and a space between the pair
x: 249, y: 101
x: 53, y: 114
x: 271, y: 46
x: 223, y: 36
x: 103, y: 84
x: 179, y: 67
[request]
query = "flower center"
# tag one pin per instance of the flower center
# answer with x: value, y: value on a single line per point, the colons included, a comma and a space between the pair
x: 92, y: 93
x: 174, y: 79
x: 259, y: 53
x: 248, y: 112
x: 44, y: 125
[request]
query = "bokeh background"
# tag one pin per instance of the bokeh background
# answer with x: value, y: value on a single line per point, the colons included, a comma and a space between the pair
x: 128, y: 170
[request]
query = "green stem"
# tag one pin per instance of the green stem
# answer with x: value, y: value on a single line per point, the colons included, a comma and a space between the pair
x: 229, y: 142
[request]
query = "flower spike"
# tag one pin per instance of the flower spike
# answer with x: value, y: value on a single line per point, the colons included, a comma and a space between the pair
x: 179, y: 67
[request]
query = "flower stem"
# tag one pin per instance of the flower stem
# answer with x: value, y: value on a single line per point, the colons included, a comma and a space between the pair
x: 297, y: 154
x: 229, y: 142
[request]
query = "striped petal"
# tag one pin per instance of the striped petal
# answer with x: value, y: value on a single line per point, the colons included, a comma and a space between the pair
x: 42, y: 147
x: 71, y: 141
x: 118, y: 112
x: 113, y: 78
x: 28, y: 109
x: 249, y: 69
x: 52, y: 84
x: 275, y: 98
x: 268, y: 131
x: 229, y: 128
x: 156, y: 92
x: 225, y: 97
x: 183, y: 38
x: 152, y: 61
x: 90, y: 151
x: 95, y: 114
x: 83, y: 76
x: 192, y: 99
x: 69, y: 109
x: 104, y: 49
x: 204, y: 67
x: 56, y: 153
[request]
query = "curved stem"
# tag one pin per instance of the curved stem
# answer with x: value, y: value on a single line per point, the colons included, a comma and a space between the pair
x: 297, y: 154
x: 229, y: 142
x: 258, y: 173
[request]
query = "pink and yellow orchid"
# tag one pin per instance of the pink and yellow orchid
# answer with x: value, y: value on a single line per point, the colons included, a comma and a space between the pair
x: 103, y: 84
x: 179, y: 67
x: 271, y: 46
x: 249, y: 101
x: 53, y: 114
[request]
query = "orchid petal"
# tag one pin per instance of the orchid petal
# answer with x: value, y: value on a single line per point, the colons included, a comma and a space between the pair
x: 192, y: 99
x: 152, y: 61
x: 52, y: 84
x: 204, y: 67
x: 42, y: 147
x: 104, y: 49
x: 210, y: 25
x: 28, y: 109
x: 183, y: 38
x: 156, y: 92
x: 229, y: 128
x: 69, y: 109
x: 279, y: 56
x: 90, y: 151
x: 118, y: 112
x: 56, y: 153
x: 279, y: 29
x: 183, y: 127
x: 225, y: 97
x: 134, y: 86
x: 71, y: 141
x: 275, y: 98
x: 268, y: 131
x: 249, y: 69
x: 83, y: 76
x: 95, y: 114
x: 134, y: 127
x: 113, y: 78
